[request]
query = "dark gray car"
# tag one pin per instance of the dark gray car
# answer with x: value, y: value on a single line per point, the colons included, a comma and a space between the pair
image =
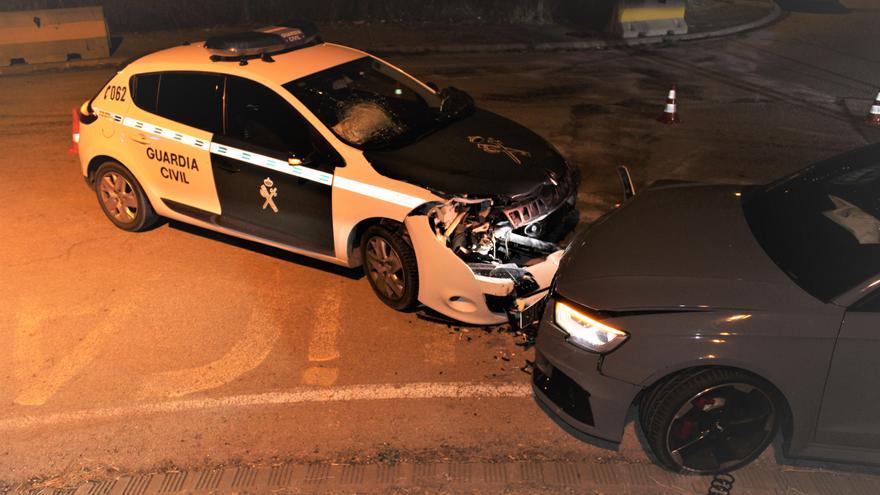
x: 724, y: 313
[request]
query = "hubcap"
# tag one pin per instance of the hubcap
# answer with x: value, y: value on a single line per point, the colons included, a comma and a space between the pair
x: 385, y: 269
x: 118, y: 197
x: 720, y: 427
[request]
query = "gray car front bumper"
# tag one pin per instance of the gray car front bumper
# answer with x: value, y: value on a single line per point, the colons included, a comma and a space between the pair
x: 568, y: 382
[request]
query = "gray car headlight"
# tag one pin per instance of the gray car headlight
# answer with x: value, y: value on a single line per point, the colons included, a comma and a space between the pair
x: 586, y: 332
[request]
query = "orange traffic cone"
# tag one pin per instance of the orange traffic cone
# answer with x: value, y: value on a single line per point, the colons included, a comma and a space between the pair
x: 873, y: 117
x: 670, y: 113
x: 74, y: 145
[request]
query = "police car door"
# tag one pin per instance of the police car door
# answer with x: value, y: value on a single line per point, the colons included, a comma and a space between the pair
x: 170, y: 134
x: 272, y: 170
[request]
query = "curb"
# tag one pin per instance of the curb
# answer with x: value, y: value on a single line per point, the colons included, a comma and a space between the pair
x: 473, y: 48
x: 98, y: 63
x: 459, y: 477
x: 775, y: 14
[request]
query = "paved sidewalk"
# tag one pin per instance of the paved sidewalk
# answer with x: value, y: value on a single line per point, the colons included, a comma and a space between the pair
x: 706, y: 18
x: 511, y: 477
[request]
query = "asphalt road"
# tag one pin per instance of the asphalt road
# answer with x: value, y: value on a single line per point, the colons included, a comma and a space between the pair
x: 179, y: 347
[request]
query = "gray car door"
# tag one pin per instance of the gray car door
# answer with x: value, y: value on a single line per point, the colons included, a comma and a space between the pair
x: 851, y: 404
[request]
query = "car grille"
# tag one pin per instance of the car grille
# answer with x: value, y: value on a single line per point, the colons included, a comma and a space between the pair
x: 564, y: 392
x: 548, y: 199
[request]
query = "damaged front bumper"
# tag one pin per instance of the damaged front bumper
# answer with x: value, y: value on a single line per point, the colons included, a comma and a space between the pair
x: 476, y: 269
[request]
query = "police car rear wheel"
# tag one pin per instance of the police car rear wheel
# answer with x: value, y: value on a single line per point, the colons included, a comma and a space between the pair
x: 390, y: 265
x: 122, y: 199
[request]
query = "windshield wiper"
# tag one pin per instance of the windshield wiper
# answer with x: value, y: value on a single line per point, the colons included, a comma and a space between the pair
x: 454, y: 103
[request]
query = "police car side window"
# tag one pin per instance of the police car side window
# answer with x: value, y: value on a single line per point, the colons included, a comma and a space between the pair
x: 192, y: 98
x: 255, y: 114
x: 145, y: 91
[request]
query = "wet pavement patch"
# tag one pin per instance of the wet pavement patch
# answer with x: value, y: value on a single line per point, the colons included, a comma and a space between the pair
x: 587, y: 109
x: 813, y: 6
x: 544, y: 93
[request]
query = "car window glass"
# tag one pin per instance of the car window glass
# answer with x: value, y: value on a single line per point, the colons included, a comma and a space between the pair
x: 193, y: 99
x: 870, y: 304
x: 257, y: 115
x: 822, y: 225
x: 145, y: 91
x: 369, y: 104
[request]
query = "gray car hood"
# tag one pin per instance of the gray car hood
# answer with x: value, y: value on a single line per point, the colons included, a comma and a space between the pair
x: 683, y: 247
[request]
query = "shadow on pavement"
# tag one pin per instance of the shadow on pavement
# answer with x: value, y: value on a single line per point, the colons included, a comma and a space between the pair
x: 115, y: 41
x: 614, y: 448
x: 351, y: 273
x: 813, y: 6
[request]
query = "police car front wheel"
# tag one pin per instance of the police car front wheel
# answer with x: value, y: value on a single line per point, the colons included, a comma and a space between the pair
x: 390, y: 265
x: 122, y: 199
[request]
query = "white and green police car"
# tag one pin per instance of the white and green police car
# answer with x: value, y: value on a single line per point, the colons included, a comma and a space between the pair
x: 277, y: 137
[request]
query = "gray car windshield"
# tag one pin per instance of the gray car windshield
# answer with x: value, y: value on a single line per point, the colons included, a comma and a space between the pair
x: 369, y: 104
x: 822, y: 225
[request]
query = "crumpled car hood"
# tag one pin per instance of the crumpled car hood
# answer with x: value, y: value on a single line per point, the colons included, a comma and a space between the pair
x: 686, y: 247
x: 483, y: 155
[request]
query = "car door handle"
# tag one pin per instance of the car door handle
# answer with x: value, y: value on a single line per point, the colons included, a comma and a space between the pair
x: 140, y: 139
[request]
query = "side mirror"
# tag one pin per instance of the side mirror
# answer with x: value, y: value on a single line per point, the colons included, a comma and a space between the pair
x: 433, y: 86
x: 316, y: 159
x: 296, y: 161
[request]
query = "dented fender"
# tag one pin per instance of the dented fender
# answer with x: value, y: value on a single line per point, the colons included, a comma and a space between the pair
x: 446, y: 284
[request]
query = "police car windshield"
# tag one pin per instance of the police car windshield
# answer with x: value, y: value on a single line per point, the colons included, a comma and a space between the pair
x: 369, y: 104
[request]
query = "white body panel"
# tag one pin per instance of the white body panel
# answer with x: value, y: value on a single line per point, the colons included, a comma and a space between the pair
x: 133, y: 137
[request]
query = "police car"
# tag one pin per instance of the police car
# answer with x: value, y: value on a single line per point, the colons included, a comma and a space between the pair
x: 280, y: 138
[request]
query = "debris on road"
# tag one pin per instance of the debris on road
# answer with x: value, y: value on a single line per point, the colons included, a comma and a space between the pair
x: 388, y: 455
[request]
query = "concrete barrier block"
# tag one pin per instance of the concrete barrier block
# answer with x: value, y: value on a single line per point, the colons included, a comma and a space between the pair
x: 646, y: 18
x: 53, y: 35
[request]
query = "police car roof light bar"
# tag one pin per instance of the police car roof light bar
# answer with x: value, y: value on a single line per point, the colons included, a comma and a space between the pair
x: 285, y: 37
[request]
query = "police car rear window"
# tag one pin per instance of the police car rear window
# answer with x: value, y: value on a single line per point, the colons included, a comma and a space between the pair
x: 193, y: 99
x: 145, y: 91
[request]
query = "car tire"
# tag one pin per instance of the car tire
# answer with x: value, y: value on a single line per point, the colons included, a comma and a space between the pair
x: 390, y: 266
x: 709, y: 420
x: 122, y: 199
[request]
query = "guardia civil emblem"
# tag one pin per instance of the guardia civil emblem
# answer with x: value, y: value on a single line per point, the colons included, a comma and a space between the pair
x: 268, y: 191
x: 496, y: 146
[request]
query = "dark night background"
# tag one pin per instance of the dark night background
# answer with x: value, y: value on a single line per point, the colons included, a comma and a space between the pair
x: 128, y: 15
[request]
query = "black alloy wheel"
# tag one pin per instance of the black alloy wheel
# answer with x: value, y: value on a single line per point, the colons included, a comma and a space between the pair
x: 710, y: 420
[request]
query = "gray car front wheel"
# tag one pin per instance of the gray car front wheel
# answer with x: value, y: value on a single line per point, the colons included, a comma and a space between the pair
x: 710, y: 420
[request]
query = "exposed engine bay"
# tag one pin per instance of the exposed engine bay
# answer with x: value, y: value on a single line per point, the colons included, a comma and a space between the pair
x: 484, y: 236
x: 510, y: 248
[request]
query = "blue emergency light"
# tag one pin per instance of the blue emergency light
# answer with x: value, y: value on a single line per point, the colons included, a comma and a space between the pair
x: 263, y: 43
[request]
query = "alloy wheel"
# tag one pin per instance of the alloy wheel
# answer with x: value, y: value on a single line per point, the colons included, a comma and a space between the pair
x: 118, y: 197
x: 720, y: 427
x: 385, y: 268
